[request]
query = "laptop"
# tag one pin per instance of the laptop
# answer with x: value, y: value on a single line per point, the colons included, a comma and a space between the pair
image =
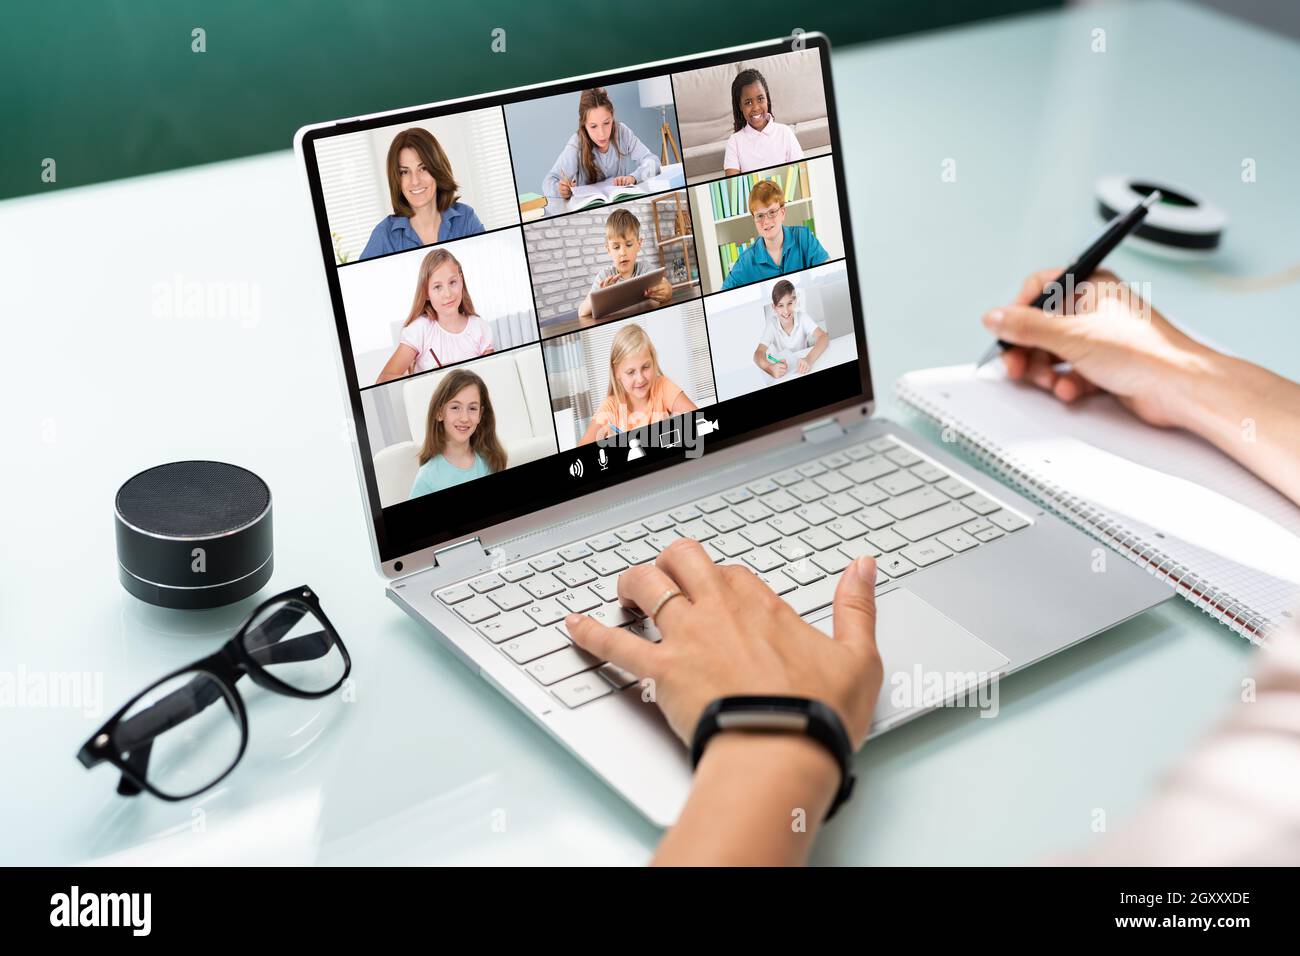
x: 496, y: 500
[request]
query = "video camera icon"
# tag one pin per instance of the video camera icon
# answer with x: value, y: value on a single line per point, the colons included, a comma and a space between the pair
x: 705, y: 427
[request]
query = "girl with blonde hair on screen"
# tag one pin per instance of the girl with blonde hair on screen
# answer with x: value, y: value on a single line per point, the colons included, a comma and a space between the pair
x: 639, y: 392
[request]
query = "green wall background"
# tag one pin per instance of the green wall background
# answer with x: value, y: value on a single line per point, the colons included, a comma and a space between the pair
x: 111, y: 88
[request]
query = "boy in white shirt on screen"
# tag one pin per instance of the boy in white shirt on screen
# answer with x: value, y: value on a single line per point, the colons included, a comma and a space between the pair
x: 789, y: 330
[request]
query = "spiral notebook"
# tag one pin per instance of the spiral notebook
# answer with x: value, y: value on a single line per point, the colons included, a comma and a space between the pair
x: 1163, y: 498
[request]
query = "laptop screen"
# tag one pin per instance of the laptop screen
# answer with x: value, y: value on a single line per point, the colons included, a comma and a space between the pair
x: 543, y: 292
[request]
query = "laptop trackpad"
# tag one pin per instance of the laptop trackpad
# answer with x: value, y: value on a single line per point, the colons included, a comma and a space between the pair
x: 927, y: 656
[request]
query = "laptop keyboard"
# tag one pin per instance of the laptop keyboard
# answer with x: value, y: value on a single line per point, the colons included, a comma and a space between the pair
x: 797, y: 529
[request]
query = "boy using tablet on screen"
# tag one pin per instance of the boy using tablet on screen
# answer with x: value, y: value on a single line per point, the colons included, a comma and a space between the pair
x: 623, y: 244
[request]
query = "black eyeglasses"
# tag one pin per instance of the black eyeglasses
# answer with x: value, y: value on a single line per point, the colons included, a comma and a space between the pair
x: 169, y: 740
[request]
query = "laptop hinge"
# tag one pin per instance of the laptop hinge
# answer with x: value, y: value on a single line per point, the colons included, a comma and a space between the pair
x: 824, y: 429
x: 468, y: 554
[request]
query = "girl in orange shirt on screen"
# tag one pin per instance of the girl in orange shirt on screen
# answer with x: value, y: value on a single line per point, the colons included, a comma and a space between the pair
x: 639, y: 392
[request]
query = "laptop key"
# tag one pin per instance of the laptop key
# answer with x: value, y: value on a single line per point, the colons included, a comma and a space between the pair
x: 661, y: 539
x: 604, y: 542
x: 900, y: 483
x: 638, y: 552
x: 935, y: 520
x: 819, y: 539
x: 760, y: 534
x: 547, y: 562
x: 543, y: 586
x: 509, y: 597
x: 836, y: 460
x: 975, y: 527
x: 957, y: 539
x: 858, y: 452
x: 978, y: 503
x: 781, y: 500
x: 832, y: 562
x: 847, y: 528
x: 516, y: 573
x: 612, y: 615
x: 869, y: 469
x: 617, y: 676
x: 731, y: 544
x: 842, y: 504
x: 815, y: 596
x: 928, y: 472
x: 605, y: 564
x: 764, y: 560
x: 753, y: 511
x: 954, y: 488
x: 925, y: 553
x: 545, y: 612
x: 582, y: 689
x: 575, y: 552
x: 572, y: 575
x: 914, y: 502
x: 697, y: 529
x: 858, y: 548
x: 873, y: 518
x: 903, y: 457
x: 815, y: 513
x: 802, y: 571
x: 529, y: 647
x: 833, y: 482
x: 778, y: 583
x: 788, y: 524
x: 807, y: 491
x: 633, y: 532
x: 605, y: 589
x: 763, y: 486
x: 989, y: 534
x: 659, y: 523
x: 561, y: 664
x: 895, y: 565
x: 736, y: 495
x: 787, y: 478
x: 506, y: 626
x: 579, y: 600
x: 792, y: 550
x: 811, y: 469
x: 724, y: 521
x: 1007, y: 521
x: 455, y: 594
x: 682, y: 515
x: 487, y: 583
x: 710, y: 505
x: 887, y: 539
x: 480, y: 609
x: 882, y: 444
x: 868, y: 494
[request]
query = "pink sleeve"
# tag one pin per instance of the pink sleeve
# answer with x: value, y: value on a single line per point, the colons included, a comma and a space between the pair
x: 412, y: 336
x: 1235, y: 799
x: 731, y: 156
x: 484, y: 335
x: 793, y: 151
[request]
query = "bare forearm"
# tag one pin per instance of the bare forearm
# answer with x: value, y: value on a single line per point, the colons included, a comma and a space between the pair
x: 758, y: 800
x: 1250, y: 413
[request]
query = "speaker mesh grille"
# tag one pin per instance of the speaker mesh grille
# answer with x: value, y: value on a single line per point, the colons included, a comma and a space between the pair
x: 193, y: 498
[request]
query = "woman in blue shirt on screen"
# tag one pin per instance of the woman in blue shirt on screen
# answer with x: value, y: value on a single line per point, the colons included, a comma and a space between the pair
x: 779, y: 248
x: 423, y: 191
x: 602, y: 149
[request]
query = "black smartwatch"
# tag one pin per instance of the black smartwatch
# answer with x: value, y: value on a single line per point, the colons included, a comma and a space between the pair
x: 785, y: 715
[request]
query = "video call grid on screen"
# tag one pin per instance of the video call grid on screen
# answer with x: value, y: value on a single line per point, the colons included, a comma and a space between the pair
x: 537, y: 340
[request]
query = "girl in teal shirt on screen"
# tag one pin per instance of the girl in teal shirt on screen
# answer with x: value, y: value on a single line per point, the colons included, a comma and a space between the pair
x: 460, y: 435
x: 779, y: 248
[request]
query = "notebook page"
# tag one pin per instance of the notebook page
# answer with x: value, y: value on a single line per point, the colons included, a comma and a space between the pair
x: 1170, y: 488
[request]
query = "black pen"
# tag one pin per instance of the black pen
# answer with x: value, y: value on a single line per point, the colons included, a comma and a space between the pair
x: 1083, y: 267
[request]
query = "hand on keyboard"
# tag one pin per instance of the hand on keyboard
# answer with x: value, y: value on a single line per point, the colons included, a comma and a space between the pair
x: 729, y: 633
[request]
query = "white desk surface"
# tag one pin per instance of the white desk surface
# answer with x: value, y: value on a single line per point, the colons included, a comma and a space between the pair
x: 107, y: 374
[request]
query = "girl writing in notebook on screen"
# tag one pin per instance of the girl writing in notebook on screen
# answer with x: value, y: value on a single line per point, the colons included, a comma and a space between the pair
x: 602, y: 149
x: 789, y: 330
x: 442, y: 326
x: 460, y: 435
x: 639, y: 392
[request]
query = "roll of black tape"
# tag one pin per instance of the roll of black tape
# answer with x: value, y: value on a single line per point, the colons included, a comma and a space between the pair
x: 194, y: 534
x: 1179, y: 226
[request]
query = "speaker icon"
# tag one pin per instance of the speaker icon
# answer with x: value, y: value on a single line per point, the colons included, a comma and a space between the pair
x: 575, y: 469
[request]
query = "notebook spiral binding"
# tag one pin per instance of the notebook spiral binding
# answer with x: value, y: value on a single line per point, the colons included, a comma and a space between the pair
x: 1216, y: 602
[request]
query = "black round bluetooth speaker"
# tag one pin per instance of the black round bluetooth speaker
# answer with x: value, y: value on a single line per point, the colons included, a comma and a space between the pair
x: 194, y: 534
